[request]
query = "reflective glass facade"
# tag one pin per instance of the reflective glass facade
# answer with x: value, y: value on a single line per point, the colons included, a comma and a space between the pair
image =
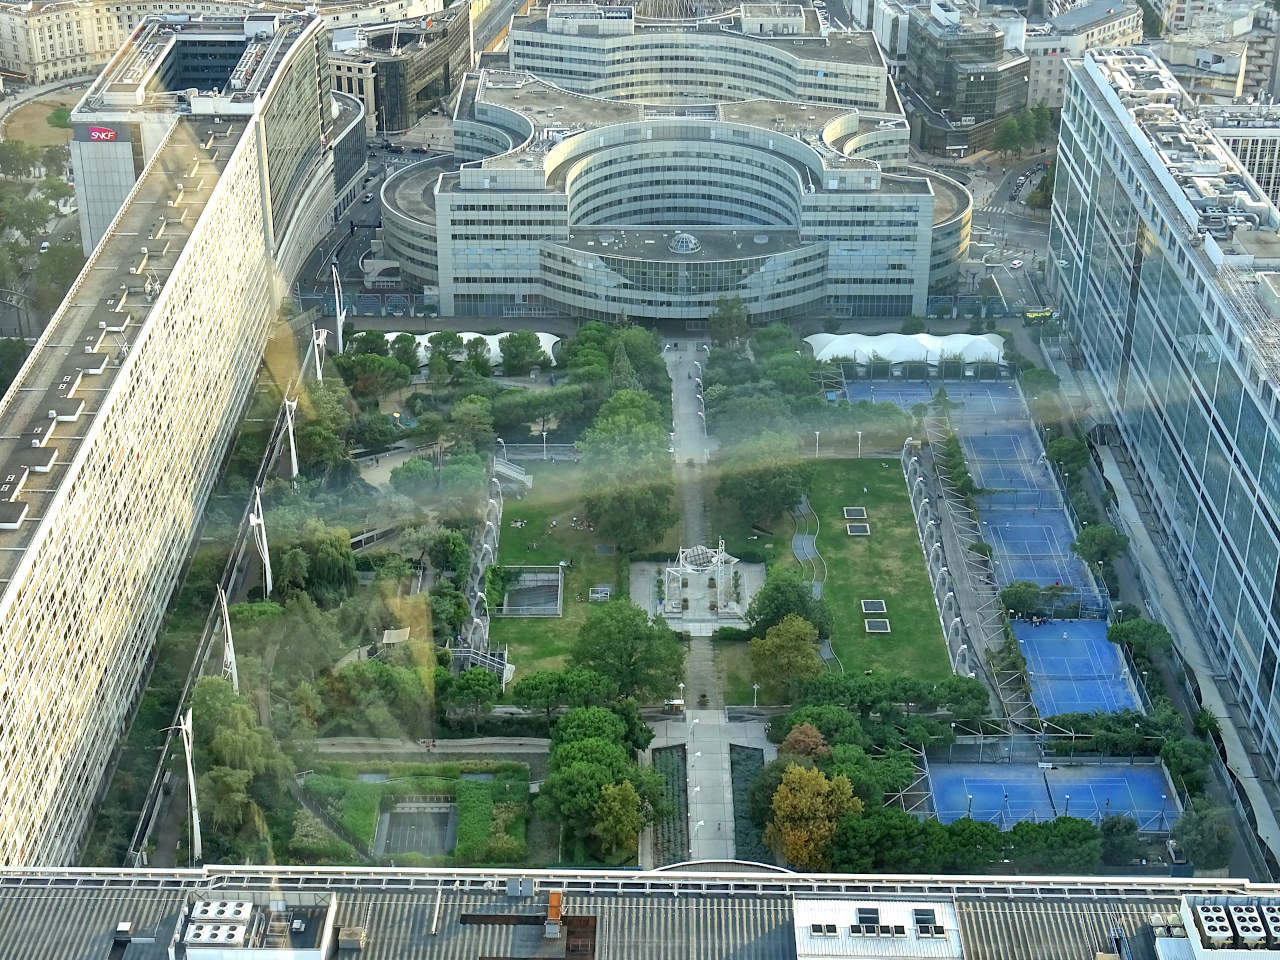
x: 1162, y: 330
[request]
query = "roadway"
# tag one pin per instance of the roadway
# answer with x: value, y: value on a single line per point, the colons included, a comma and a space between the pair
x: 347, y: 245
x: 1010, y: 239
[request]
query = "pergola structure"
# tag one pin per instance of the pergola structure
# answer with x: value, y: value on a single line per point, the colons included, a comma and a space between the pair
x: 700, y: 584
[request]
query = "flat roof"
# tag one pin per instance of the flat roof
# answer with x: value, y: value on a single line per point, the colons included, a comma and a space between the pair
x: 47, y: 411
x: 130, y: 81
x: 843, y: 46
x: 1091, y: 14
x: 728, y: 912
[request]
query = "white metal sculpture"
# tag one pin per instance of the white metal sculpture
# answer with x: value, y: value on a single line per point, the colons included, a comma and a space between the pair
x: 229, y: 671
x: 290, y: 409
x: 258, y: 524
x: 318, y: 339
x: 701, y: 576
x: 339, y: 304
x: 197, y: 851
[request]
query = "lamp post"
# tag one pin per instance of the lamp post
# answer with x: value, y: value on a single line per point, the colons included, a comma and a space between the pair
x: 502, y: 443
x: 1066, y: 807
x: 755, y: 694
x: 816, y: 435
x: 970, y: 806
x: 859, y: 444
x: 544, y: 444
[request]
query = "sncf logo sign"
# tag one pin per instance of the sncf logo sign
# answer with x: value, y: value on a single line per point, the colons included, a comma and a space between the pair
x: 102, y: 134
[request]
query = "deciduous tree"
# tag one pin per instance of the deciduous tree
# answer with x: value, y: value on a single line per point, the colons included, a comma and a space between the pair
x: 784, y: 593
x: 806, y: 808
x: 619, y: 816
x: 786, y: 656
x: 1206, y: 835
x: 521, y: 350
x: 617, y: 640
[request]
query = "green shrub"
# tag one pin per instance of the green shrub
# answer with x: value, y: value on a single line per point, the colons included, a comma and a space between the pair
x: 355, y: 805
x: 475, y: 820
x: 313, y: 842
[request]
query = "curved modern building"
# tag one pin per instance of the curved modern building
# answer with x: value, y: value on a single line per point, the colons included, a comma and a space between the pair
x: 770, y: 50
x: 571, y: 204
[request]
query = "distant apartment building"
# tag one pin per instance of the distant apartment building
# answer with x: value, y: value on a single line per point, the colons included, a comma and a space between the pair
x: 198, y: 208
x: 1165, y: 256
x: 962, y: 76
x: 778, y: 51
x: 402, y: 71
x: 42, y: 41
x: 1048, y: 45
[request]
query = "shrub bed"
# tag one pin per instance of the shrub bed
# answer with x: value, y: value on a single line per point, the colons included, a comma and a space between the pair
x: 671, y: 834
x: 355, y: 805
x: 745, y: 764
x: 475, y: 819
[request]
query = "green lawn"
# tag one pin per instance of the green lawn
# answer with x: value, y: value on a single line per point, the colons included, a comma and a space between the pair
x: 888, y: 565
x: 543, y: 643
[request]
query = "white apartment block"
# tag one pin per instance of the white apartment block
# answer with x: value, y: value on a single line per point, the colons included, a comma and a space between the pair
x: 759, y: 50
x: 113, y: 431
x: 1100, y: 23
x: 44, y: 41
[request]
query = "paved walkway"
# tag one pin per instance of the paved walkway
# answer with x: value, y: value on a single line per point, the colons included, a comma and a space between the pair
x: 707, y: 735
x: 690, y: 442
x: 506, y: 745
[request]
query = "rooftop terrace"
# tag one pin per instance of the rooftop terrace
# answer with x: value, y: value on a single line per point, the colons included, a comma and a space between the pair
x: 147, y: 73
x: 48, y: 410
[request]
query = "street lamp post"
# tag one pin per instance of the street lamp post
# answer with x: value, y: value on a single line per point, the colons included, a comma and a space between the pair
x: 680, y: 685
x: 859, y: 444
x: 755, y: 694
x: 502, y: 443
x: 544, y: 444
x: 816, y: 434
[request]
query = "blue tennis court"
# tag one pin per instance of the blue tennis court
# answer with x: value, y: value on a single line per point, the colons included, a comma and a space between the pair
x: 1004, y: 794
x: 1009, y: 793
x: 1073, y: 668
x: 1008, y: 444
x: 1007, y: 474
x: 906, y: 394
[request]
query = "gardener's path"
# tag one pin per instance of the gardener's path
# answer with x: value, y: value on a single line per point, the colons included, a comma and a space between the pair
x: 691, y: 453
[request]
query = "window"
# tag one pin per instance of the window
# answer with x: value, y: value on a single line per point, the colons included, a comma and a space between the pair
x: 868, y: 916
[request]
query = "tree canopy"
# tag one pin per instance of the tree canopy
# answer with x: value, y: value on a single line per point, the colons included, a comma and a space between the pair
x: 644, y: 659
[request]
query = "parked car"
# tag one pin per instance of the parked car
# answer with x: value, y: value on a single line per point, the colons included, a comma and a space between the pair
x: 1014, y: 264
x: 368, y: 198
x: 44, y: 246
x: 421, y: 150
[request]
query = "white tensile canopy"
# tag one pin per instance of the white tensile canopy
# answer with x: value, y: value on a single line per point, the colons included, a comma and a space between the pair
x: 904, y: 348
